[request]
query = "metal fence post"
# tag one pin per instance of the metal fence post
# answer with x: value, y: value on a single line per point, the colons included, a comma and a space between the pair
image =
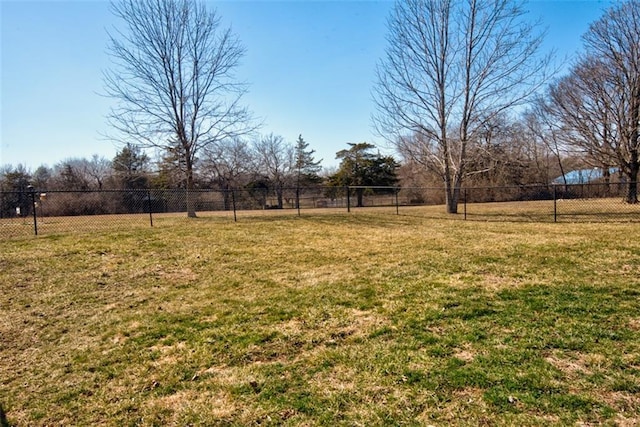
x: 233, y: 203
x: 397, y: 204
x: 149, y: 203
x: 555, y: 204
x: 465, y: 204
x: 348, y: 200
x: 33, y: 208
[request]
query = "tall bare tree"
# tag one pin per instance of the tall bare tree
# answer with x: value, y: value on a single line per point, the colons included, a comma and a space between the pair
x: 173, y: 78
x: 450, y: 68
x: 599, y: 101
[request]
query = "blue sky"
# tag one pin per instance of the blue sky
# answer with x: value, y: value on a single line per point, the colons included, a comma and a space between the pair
x: 310, y: 66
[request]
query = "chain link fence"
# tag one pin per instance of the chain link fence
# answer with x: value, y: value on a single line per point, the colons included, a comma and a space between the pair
x: 37, y: 213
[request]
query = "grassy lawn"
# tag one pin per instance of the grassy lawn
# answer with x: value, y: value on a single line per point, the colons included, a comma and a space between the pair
x: 327, y: 319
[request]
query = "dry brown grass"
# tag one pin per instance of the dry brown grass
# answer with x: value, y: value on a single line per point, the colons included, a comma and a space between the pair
x: 363, y: 319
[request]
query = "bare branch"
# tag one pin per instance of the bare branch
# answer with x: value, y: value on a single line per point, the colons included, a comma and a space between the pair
x: 450, y: 68
x: 173, y: 78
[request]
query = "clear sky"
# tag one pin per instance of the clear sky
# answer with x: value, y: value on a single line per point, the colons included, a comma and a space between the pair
x: 310, y: 66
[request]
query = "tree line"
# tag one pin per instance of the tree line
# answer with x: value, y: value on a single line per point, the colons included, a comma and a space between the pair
x: 268, y: 161
x: 266, y: 165
x: 463, y: 93
x: 511, y: 154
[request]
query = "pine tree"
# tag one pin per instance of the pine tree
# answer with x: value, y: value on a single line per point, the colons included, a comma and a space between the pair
x: 307, y: 167
x: 130, y: 166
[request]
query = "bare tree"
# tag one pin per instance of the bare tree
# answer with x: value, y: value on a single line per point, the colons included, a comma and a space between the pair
x: 228, y: 162
x: 70, y: 174
x: 542, y: 126
x: 99, y: 169
x: 276, y: 161
x: 598, y: 103
x: 450, y: 68
x: 79, y: 173
x: 173, y: 78
x: 579, y: 113
x: 228, y: 165
x: 497, y: 157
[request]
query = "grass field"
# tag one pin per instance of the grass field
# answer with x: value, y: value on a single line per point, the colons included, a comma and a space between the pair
x: 327, y: 319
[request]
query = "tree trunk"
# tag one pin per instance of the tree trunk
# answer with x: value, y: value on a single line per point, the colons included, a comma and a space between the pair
x: 452, y: 191
x: 359, y: 194
x: 452, y: 195
x: 452, y: 203
x: 634, y: 162
x: 226, y: 197
x: 606, y: 175
x: 191, y: 203
x: 632, y: 193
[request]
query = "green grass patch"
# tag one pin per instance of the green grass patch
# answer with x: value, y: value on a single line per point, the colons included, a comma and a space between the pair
x: 329, y: 319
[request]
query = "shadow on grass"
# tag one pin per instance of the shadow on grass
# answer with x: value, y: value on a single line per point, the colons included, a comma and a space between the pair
x: 3, y: 418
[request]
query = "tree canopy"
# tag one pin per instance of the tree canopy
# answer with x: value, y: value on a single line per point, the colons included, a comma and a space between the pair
x: 450, y: 68
x: 360, y: 168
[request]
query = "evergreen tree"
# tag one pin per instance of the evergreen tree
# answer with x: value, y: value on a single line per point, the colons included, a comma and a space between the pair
x: 361, y: 168
x: 172, y: 169
x: 307, y: 168
x: 41, y: 177
x: 14, y: 183
x: 130, y: 167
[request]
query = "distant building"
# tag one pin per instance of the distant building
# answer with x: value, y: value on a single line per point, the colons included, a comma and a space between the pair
x: 583, y: 176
